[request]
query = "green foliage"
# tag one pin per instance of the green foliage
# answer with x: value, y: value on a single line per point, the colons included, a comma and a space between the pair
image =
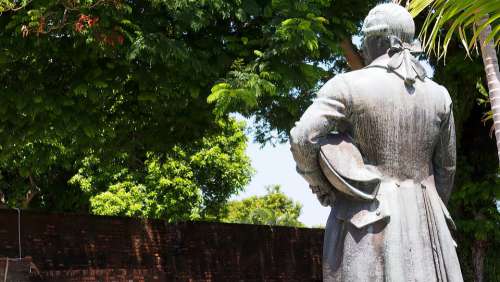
x: 97, y: 91
x: 158, y: 189
x: 189, y: 181
x: 456, y: 16
x: 274, y: 208
x: 484, y: 100
x: 477, y: 199
x: 7, y: 5
x: 276, y: 73
x: 474, y: 204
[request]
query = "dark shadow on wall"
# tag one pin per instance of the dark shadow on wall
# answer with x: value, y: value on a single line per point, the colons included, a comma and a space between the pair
x: 69, y: 247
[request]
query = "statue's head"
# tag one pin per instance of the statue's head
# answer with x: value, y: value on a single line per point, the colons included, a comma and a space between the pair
x: 383, y: 22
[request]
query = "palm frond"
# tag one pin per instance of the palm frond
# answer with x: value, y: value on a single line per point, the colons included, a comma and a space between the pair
x: 463, y: 18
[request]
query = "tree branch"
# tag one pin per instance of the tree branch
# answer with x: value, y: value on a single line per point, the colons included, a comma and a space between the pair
x: 351, y: 54
x: 31, y: 193
x: 2, y: 200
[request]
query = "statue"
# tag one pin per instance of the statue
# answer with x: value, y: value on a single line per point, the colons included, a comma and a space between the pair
x: 378, y: 146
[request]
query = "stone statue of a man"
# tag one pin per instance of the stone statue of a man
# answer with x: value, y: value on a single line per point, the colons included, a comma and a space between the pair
x: 402, y: 123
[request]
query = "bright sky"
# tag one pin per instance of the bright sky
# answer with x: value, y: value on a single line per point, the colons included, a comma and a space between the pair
x: 275, y: 165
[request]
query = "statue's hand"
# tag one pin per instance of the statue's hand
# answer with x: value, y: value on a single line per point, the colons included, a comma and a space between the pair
x: 319, y: 185
x: 325, y: 195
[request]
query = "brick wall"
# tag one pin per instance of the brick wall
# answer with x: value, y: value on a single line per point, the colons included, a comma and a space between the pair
x: 69, y: 247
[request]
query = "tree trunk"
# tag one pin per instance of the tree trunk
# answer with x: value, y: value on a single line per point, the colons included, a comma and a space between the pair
x: 478, y: 257
x: 352, y: 56
x: 490, y: 62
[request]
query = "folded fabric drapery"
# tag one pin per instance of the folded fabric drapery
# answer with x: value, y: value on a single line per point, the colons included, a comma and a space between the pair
x: 404, y: 62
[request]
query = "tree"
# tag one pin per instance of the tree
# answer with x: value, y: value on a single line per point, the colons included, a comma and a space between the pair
x: 188, y: 181
x: 107, y: 93
x: 274, y: 208
x: 185, y: 183
x: 478, y: 18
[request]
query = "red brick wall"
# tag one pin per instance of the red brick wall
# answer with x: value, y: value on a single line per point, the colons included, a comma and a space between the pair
x: 69, y: 247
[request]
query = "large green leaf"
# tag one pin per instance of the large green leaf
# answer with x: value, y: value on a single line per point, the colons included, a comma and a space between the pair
x: 447, y: 18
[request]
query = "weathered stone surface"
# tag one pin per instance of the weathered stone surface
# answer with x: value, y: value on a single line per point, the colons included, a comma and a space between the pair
x: 402, y: 123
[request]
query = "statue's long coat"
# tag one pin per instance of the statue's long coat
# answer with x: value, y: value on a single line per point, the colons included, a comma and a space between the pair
x: 407, y: 132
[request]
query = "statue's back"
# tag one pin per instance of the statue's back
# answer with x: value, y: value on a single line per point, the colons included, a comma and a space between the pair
x: 396, y: 127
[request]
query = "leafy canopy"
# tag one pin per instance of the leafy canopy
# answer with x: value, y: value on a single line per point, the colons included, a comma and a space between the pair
x: 184, y: 183
x: 121, y: 97
x: 274, y: 208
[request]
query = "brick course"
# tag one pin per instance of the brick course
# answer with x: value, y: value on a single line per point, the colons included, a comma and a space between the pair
x: 70, y: 247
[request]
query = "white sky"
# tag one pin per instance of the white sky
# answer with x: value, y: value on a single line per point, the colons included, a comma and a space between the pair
x: 275, y: 165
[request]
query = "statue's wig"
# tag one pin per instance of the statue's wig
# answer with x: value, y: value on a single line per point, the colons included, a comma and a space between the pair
x: 383, y: 22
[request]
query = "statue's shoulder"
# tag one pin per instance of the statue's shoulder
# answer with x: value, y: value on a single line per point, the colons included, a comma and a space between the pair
x: 334, y: 86
x: 368, y: 74
x: 350, y: 76
x: 355, y: 82
x: 438, y: 90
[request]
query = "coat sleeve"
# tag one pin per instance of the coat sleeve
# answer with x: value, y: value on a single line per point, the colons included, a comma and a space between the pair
x: 444, y: 159
x: 328, y: 112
